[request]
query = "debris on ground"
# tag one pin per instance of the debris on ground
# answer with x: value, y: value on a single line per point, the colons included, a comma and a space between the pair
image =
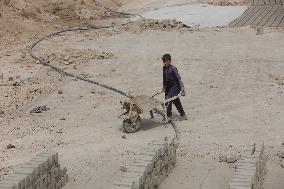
x: 123, y: 168
x: 10, y: 146
x: 226, y: 3
x: 40, y: 109
x: 72, y: 56
x: 167, y: 24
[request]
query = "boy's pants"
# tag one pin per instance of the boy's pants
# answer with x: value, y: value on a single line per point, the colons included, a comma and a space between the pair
x: 177, y: 104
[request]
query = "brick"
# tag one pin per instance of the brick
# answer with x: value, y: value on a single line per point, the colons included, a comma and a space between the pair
x: 30, y: 172
x: 19, y: 181
x: 240, y: 187
x: 243, y: 184
x: 120, y: 187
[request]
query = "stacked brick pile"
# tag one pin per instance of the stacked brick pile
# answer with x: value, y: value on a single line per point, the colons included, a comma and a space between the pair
x: 249, y: 170
x: 152, y: 165
x: 42, y: 172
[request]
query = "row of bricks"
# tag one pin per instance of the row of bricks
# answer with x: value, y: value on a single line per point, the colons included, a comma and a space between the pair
x: 43, y: 171
x: 248, y: 172
x: 154, y: 163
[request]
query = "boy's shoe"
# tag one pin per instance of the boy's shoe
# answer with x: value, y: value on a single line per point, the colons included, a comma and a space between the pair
x: 184, y: 117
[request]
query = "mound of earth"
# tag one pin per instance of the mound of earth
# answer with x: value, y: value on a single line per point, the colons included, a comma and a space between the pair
x: 20, y: 19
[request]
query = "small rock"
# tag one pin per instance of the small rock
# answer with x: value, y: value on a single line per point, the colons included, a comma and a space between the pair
x: 2, y: 112
x: 282, y: 165
x: 63, y: 118
x: 231, y: 158
x: 60, y: 92
x: 123, y: 136
x: 10, y: 146
x: 259, y: 31
x: 93, y: 91
x: 123, y: 168
x: 10, y: 79
x: 281, y: 154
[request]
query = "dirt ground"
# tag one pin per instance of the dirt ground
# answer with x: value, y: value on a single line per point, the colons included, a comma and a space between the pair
x: 234, y: 82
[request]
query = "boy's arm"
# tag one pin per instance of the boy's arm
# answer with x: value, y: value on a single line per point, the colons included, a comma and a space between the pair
x: 179, y: 79
x: 164, y: 84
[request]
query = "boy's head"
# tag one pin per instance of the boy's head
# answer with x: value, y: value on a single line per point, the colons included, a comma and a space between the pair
x: 167, y: 59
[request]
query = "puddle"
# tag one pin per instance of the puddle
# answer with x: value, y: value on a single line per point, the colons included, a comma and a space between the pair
x: 202, y: 15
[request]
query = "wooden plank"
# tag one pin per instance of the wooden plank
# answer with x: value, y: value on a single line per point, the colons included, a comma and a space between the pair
x: 255, y: 15
x: 242, y: 17
x: 273, y: 17
x: 268, y: 16
x: 262, y: 15
x: 279, y: 19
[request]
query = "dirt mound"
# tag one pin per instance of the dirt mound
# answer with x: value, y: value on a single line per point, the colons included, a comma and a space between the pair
x: 166, y: 24
x: 21, y: 19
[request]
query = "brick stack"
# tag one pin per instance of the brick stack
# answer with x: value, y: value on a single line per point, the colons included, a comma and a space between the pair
x: 42, y: 172
x: 153, y: 164
x: 249, y: 171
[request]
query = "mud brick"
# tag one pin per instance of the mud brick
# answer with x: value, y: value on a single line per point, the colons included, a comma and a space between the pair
x: 148, y: 153
x: 4, y: 187
x: 137, y: 179
x: 66, y: 177
x: 46, y: 161
x: 4, y: 184
x: 137, y: 169
x: 247, y: 180
x: 240, y: 187
x: 242, y: 184
x: 163, y: 144
x: 248, y: 160
x: 20, y: 180
x: 57, y: 172
x: 36, y: 167
x: 145, y: 158
x: 62, y: 181
x: 29, y: 172
x: 54, y: 156
x: 120, y: 187
x: 247, y: 164
x: 128, y: 183
x: 154, y: 149
x: 239, y: 168
x: 148, y: 167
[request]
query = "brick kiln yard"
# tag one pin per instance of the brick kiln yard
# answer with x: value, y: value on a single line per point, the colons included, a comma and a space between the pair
x: 233, y: 77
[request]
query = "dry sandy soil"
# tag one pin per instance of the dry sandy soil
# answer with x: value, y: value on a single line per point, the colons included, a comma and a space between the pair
x: 234, y: 80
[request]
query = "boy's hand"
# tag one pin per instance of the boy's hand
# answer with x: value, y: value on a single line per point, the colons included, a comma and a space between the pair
x: 182, y: 93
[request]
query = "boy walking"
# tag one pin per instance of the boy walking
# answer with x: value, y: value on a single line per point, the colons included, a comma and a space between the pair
x: 172, y: 85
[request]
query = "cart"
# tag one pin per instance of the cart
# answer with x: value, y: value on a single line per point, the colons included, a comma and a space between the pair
x: 133, y: 107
